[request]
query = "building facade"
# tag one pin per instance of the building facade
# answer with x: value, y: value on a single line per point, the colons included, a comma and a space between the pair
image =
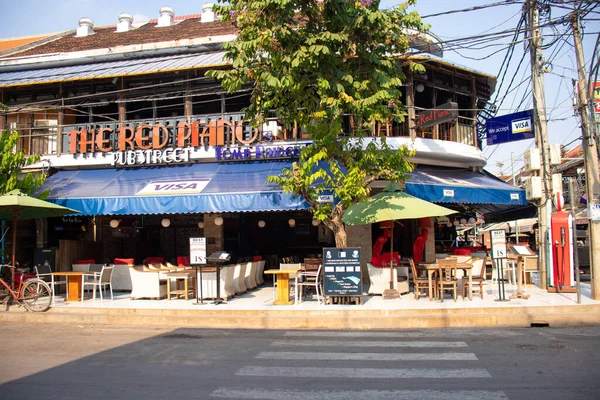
x: 151, y: 151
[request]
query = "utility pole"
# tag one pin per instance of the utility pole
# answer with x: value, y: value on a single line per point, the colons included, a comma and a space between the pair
x: 512, y: 164
x: 541, y: 139
x: 590, y: 157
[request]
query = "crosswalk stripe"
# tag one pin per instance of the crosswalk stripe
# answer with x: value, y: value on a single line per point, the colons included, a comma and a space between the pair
x: 363, y: 373
x: 285, y: 355
x: 358, y: 343
x: 446, y: 333
x: 307, y: 394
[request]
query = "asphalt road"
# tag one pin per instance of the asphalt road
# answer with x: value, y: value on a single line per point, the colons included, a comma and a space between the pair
x: 41, y: 361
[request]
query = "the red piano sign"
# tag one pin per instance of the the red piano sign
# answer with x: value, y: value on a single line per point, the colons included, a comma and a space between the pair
x: 443, y: 113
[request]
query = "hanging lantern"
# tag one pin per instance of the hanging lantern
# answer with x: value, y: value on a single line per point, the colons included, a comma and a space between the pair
x: 166, y: 222
x: 201, y: 225
x: 448, y: 224
x: 292, y: 222
x: 472, y: 220
x: 261, y: 224
x: 219, y: 221
x: 114, y: 223
x: 463, y: 221
x: 456, y: 223
x: 316, y: 222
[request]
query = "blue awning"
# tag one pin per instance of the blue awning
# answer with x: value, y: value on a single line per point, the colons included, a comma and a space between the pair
x: 463, y: 186
x: 190, y: 188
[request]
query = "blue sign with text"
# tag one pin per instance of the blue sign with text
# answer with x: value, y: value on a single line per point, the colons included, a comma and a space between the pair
x: 509, y: 128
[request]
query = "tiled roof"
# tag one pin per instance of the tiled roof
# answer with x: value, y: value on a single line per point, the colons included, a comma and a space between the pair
x: 11, y: 43
x: 106, y: 37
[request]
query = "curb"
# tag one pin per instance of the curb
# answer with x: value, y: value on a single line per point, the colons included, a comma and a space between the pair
x: 515, y: 317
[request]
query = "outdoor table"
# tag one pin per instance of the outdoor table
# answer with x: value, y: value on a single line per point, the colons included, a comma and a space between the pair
x: 74, y: 283
x: 179, y: 276
x: 283, y: 286
x: 466, y: 267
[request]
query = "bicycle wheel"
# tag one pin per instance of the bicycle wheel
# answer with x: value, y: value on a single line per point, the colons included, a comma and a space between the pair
x: 36, y: 295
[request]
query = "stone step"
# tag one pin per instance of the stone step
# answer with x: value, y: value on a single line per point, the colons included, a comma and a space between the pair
x: 319, y: 319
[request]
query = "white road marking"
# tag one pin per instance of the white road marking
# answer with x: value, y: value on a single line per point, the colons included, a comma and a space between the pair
x: 370, y: 343
x: 285, y: 355
x: 446, y: 333
x: 364, y: 373
x: 306, y: 394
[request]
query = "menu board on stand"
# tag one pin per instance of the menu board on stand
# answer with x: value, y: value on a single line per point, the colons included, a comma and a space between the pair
x: 341, y: 273
x: 198, y: 256
x: 499, y: 254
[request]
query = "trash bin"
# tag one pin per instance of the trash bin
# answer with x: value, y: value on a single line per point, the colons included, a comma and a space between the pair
x: 535, y: 278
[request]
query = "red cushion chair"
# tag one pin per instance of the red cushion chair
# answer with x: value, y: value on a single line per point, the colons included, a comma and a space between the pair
x: 155, y: 260
x: 87, y: 261
x: 183, y: 261
x: 124, y: 261
x: 462, y: 252
x: 383, y: 261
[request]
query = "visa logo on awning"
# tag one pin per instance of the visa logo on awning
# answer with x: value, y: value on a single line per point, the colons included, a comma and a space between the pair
x: 174, y: 187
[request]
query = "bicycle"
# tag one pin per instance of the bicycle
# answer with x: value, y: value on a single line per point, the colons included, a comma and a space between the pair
x: 34, y: 294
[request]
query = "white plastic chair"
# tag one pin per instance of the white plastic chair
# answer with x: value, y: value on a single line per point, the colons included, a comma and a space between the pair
x: 509, y: 271
x: 101, y: 280
x: 44, y: 273
x: 308, y: 279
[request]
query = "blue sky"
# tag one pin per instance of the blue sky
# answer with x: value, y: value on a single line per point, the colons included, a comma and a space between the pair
x: 29, y: 17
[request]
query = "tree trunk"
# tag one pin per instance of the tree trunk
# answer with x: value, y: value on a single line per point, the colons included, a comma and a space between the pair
x: 339, y: 232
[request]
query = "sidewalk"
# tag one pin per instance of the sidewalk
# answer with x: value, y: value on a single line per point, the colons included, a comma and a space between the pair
x: 255, y: 310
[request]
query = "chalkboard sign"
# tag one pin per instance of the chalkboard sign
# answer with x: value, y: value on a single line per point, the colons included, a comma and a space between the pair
x: 341, y: 275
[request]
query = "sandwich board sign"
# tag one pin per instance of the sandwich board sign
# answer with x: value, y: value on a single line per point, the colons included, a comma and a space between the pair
x: 341, y: 273
x: 197, y: 250
x: 498, y: 239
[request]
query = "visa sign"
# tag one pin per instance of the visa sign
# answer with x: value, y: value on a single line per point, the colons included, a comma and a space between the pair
x: 523, y: 125
x: 173, y: 187
x: 510, y: 128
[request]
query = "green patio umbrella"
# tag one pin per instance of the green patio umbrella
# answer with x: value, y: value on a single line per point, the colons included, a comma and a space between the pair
x: 389, y: 205
x: 16, y: 205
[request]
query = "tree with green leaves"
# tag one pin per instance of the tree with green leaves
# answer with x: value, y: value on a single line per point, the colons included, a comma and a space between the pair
x: 11, y: 163
x: 312, y: 63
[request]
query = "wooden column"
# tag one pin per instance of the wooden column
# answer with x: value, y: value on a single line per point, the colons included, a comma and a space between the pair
x: 474, y: 108
x: 2, y: 113
x: 410, y: 104
x: 122, y: 105
x: 188, y: 106
x: 60, y: 120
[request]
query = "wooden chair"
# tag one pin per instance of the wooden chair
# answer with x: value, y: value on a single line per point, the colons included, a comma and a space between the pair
x: 420, y: 284
x: 447, y: 277
x: 478, y: 276
x: 530, y: 264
